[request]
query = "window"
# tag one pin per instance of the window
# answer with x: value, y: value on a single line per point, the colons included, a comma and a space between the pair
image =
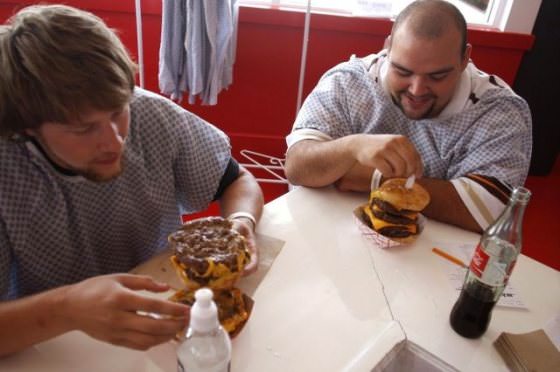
x: 506, y: 15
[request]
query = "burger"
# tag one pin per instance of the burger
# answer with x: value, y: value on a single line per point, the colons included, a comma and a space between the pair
x: 233, y: 307
x: 393, y: 209
x: 207, y: 252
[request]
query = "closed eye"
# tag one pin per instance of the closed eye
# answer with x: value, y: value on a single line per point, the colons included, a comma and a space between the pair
x: 82, y: 129
x: 439, y: 76
x: 402, y: 72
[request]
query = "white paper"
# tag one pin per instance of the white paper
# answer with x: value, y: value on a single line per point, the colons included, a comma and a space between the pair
x: 510, y: 297
x: 552, y: 330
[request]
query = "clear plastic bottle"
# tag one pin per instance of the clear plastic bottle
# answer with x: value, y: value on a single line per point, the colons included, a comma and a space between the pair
x: 207, y: 346
x: 490, y: 268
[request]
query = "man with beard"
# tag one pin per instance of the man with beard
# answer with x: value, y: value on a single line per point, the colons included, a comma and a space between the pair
x: 420, y: 108
x: 96, y: 173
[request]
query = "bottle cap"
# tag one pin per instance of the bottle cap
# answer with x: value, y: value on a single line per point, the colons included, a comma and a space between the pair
x: 204, y: 313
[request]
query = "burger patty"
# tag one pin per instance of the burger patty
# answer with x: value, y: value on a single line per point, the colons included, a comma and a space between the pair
x: 395, y: 231
x: 388, y: 207
x: 392, y: 218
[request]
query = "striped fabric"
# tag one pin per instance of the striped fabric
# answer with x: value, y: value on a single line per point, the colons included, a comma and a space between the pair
x: 484, y: 197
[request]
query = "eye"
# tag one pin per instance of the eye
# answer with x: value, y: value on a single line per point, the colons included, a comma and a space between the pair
x: 82, y: 129
x: 438, y: 77
x: 403, y: 73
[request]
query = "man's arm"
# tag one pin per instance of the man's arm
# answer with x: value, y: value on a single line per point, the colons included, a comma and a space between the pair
x: 244, y: 195
x: 446, y: 205
x: 346, y: 159
x: 104, y: 307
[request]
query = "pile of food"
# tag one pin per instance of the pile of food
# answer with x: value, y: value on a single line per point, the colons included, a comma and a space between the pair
x: 207, y: 252
x: 393, y: 209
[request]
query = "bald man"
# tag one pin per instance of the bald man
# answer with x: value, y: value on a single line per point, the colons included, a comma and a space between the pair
x: 418, y: 107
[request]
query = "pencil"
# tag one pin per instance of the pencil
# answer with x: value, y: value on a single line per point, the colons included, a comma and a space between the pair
x: 449, y: 257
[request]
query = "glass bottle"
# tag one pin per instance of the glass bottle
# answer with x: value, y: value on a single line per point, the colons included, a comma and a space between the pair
x: 490, y: 268
x: 207, y: 346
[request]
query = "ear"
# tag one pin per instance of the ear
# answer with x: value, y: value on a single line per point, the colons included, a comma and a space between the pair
x: 466, y: 57
x: 387, y: 42
x: 31, y: 132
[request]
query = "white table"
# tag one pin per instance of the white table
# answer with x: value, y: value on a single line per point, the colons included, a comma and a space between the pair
x: 333, y: 302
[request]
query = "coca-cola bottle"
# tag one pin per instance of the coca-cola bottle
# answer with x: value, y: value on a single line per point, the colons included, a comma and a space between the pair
x: 490, y: 268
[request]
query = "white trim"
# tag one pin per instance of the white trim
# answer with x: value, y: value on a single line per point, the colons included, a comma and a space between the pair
x: 302, y: 67
x: 507, y: 15
x: 139, y: 40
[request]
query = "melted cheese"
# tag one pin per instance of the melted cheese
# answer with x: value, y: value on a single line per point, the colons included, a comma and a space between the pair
x: 379, y: 224
x: 411, y: 215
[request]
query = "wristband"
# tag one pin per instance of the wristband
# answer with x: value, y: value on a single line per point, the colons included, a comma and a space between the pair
x: 246, y: 215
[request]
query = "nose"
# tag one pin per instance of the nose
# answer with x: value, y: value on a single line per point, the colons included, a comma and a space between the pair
x: 418, y: 86
x: 110, y: 137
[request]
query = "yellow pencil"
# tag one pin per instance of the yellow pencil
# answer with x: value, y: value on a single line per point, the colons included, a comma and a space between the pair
x: 449, y: 257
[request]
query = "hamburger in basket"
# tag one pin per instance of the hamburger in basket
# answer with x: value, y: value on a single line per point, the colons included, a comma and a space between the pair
x: 207, y: 252
x: 393, y: 211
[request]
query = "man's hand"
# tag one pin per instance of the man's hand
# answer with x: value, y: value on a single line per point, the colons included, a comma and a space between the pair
x: 107, y: 308
x: 392, y: 155
x: 245, y: 228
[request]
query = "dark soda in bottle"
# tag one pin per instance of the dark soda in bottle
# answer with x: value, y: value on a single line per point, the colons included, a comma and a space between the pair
x: 490, y: 268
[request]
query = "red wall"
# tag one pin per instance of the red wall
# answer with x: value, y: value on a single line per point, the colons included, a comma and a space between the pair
x: 258, y: 110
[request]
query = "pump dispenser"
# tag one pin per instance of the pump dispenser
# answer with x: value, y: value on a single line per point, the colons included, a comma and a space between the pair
x: 207, y: 346
x: 204, y: 313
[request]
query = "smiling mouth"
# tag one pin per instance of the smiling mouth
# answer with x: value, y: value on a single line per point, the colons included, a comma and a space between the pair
x: 419, y: 101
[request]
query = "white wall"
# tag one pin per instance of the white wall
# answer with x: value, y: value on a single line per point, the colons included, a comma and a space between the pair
x: 521, y: 17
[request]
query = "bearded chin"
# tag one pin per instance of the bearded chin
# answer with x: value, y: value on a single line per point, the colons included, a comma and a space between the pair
x: 94, y: 176
x: 429, y: 112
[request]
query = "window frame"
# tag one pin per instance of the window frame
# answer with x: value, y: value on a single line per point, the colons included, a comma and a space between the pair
x: 505, y: 15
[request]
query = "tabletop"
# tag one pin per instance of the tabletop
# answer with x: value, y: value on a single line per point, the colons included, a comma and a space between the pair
x: 332, y: 301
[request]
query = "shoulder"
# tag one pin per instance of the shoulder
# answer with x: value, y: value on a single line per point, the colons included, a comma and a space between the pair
x: 24, y: 173
x: 14, y: 155
x: 488, y: 87
x: 353, y: 69
x: 146, y: 103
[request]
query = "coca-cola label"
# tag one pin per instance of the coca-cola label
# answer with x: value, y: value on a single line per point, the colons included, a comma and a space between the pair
x: 479, y: 261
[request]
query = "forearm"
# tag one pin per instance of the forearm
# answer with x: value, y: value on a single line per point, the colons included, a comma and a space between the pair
x: 446, y: 205
x: 358, y: 178
x: 244, y: 194
x: 316, y: 164
x: 31, y: 320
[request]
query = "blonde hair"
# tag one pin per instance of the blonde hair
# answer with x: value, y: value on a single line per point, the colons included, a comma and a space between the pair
x: 56, y: 61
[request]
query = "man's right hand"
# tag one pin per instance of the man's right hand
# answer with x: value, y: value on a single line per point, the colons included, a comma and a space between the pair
x: 107, y: 308
x: 392, y: 155
x: 349, y: 161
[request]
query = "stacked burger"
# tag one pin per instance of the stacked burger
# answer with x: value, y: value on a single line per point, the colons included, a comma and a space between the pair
x: 393, y: 209
x: 207, y: 252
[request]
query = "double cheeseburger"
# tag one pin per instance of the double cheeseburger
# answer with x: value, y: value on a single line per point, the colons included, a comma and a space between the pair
x: 393, y: 209
x: 207, y: 252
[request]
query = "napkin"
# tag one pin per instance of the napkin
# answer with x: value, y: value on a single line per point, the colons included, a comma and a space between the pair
x: 532, y: 351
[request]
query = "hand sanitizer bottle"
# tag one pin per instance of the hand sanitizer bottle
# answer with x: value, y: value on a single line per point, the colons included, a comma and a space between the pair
x: 207, y: 346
